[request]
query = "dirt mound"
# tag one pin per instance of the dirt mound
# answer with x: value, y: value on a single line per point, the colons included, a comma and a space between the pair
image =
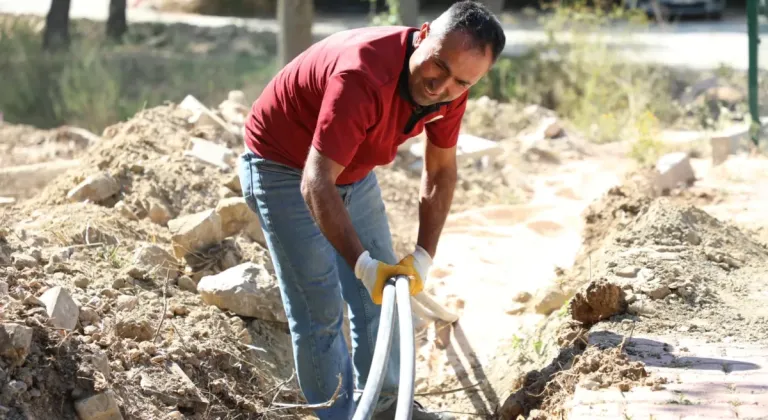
x: 659, y: 267
x: 145, y: 155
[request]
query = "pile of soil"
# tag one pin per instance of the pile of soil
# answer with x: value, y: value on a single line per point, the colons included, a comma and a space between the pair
x: 138, y: 337
x: 659, y: 266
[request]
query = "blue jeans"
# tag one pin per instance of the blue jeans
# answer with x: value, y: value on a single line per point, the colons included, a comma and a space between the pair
x: 315, y: 281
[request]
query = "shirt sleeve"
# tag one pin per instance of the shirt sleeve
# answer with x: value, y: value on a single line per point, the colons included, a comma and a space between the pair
x: 349, y: 108
x: 445, y: 131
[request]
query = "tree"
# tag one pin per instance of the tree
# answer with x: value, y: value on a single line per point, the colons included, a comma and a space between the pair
x: 56, y: 34
x: 408, y: 11
x: 116, y: 23
x: 295, y: 18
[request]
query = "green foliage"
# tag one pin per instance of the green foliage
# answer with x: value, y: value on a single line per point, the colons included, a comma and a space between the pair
x: 578, y: 72
x: 97, y: 83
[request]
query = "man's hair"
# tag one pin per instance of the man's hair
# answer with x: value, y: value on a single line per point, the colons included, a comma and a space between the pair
x: 475, y: 20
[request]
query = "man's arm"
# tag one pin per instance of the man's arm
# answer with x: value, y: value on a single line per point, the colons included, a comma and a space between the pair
x: 438, y: 181
x: 318, y: 187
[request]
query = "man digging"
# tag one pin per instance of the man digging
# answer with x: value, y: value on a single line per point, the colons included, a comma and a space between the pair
x: 313, y: 137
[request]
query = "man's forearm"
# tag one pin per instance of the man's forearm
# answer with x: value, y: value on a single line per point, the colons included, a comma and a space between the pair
x: 331, y: 216
x: 435, y: 199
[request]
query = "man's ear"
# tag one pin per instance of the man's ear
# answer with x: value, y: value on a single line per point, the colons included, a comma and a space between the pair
x: 423, y: 33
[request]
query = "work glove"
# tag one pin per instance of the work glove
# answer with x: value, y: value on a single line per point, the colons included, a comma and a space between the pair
x: 419, y: 261
x: 374, y: 274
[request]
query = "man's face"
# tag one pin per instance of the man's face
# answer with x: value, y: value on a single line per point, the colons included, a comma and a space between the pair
x: 442, y: 69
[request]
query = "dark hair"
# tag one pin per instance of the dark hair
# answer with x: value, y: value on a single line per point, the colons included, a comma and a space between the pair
x: 474, y: 19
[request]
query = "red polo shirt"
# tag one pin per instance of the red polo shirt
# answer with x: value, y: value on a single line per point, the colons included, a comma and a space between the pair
x: 347, y: 96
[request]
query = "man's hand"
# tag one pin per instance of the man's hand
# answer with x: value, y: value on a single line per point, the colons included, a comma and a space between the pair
x: 419, y: 261
x: 374, y: 275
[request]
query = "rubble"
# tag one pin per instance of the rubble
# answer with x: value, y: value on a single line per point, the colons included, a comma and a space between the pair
x: 673, y: 170
x: 219, y: 156
x: 61, y: 308
x: 153, y: 260
x: 247, y: 290
x: 95, y: 188
x: 99, y: 407
x: 15, y: 340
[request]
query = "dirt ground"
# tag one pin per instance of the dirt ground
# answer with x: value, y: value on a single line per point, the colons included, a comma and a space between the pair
x: 543, y: 220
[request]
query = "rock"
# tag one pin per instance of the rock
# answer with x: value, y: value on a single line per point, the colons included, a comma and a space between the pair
x: 235, y: 215
x: 81, y: 281
x: 247, y: 290
x: 95, y: 188
x: 100, y: 361
x: 195, y: 231
x: 727, y: 142
x: 238, y: 97
x: 628, y: 272
x: 549, y: 300
x: 473, y: 147
x: 658, y: 291
x: 212, y: 153
x: 135, y: 329
x: 641, y: 307
x: 233, y: 183
x: 101, y: 406
x: 89, y: 316
x: 15, y: 340
x: 515, y: 308
x: 201, y: 115
x: 159, y: 213
x: 151, y: 260
x: 61, y: 308
x: 186, y: 283
x: 590, y: 385
x: 233, y: 112
x: 522, y: 297
x: 672, y: 170
x: 692, y: 237
x: 3, y: 288
x: 22, y: 261
x: 600, y: 300
x: 125, y: 211
x: 552, y: 128
x: 126, y: 303
x: 16, y: 387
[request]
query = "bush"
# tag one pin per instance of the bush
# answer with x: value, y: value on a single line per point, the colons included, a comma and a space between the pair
x: 95, y: 84
x: 579, y: 73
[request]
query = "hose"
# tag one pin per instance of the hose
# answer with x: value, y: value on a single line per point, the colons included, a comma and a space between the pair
x: 367, y: 403
x: 407, y: 350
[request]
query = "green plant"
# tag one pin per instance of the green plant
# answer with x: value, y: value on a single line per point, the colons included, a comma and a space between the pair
x: 647, y: 148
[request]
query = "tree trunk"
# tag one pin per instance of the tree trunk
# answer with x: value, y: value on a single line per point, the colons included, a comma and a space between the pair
x: 295, y: 18
x: 495, y: 6
x: 409, y: 13
x: 56, y: 33
x: 116, y: 23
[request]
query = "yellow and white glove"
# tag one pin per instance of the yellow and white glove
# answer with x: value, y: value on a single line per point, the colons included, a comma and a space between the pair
x: 420, y: 262
x: 374, y: 274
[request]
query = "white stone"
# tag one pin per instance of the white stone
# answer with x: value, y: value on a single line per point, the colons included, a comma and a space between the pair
x: 153, y: 260
x: 673, y: 170
x: 247, y: 290
x: 473, y: 147
x: 195, y: 231
x: 201, y: 115
x: 727, y: 142
x: 237, y: 96
x: 95, y: 188
x: 61, y: 308
x: 235, y: 216
x: 212, y: 153
x: 548, y: 300
x: 126, y: 303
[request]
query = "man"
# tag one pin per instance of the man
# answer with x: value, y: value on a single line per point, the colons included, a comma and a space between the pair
x: 313, y: 136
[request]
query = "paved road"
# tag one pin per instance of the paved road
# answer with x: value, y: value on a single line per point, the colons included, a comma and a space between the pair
x: 696, y: 44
